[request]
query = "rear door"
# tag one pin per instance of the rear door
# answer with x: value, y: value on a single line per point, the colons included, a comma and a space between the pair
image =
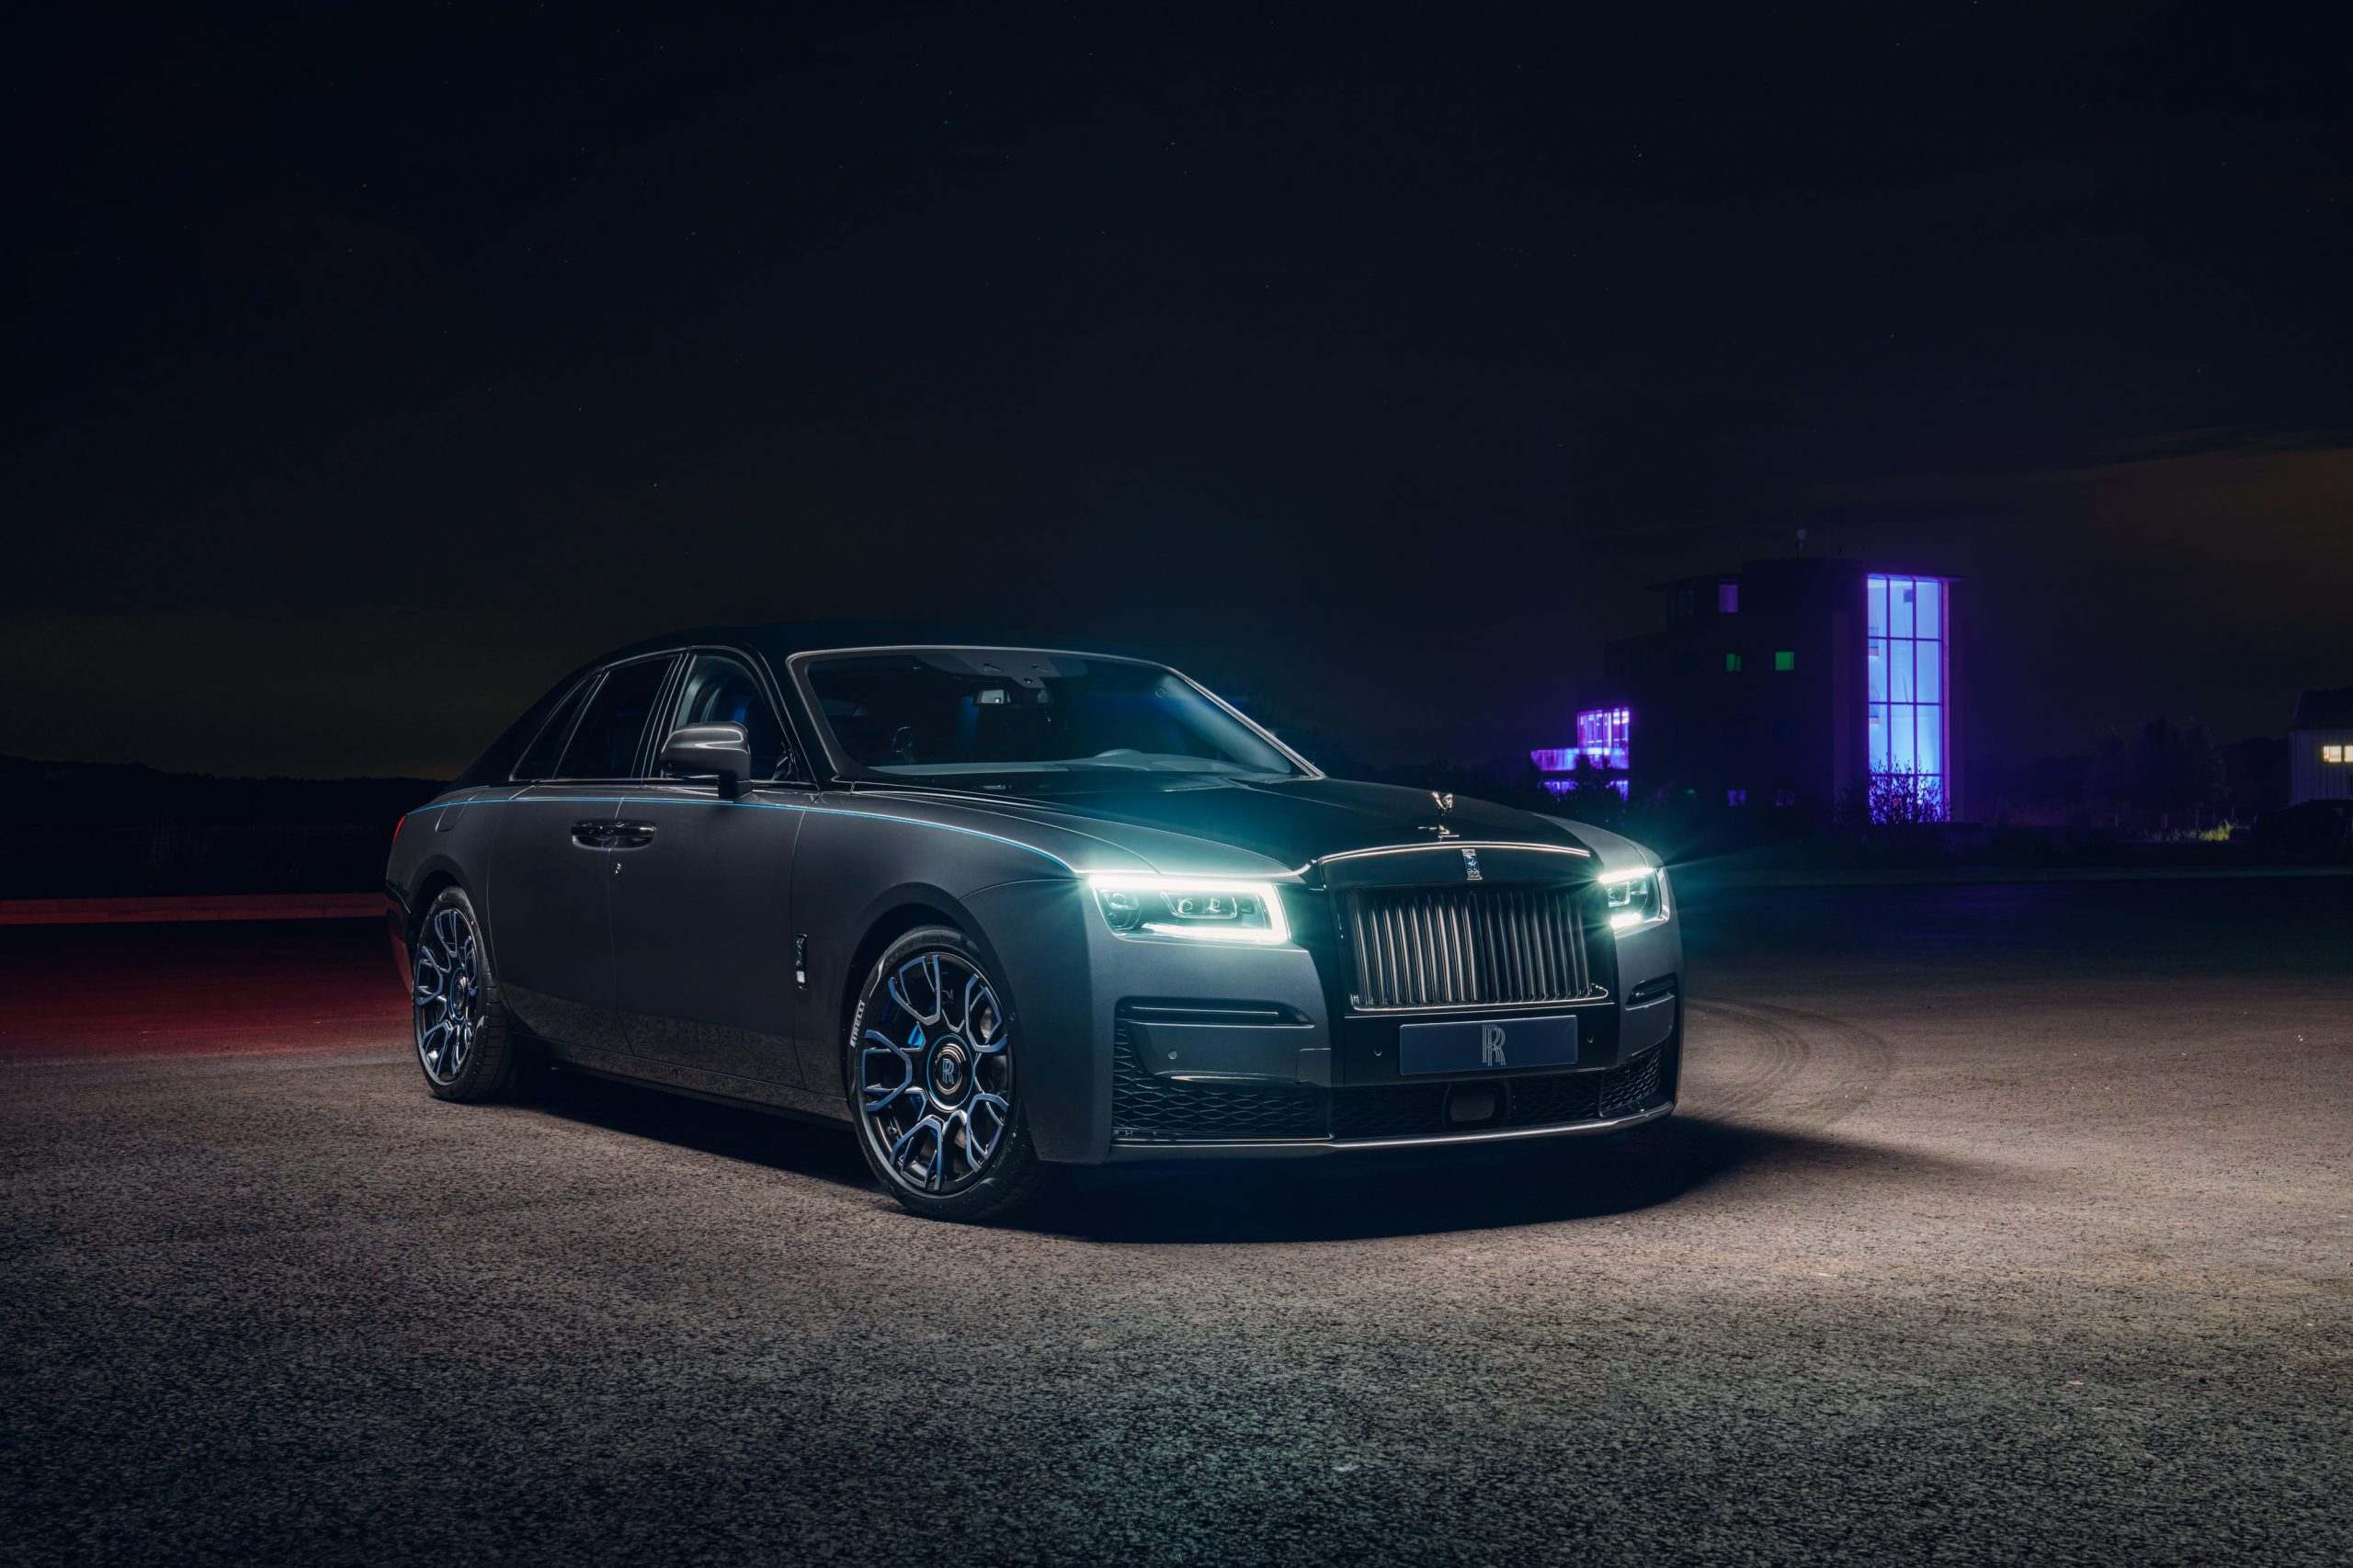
x: 550, y: 917
x: 702, y: 926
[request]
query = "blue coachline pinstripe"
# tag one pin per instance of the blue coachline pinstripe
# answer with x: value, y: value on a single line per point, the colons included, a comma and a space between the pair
x: 752, y: 805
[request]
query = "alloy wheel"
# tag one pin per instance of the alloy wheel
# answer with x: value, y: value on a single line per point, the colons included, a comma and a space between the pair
x: 934, y: 1073
x: 447, y: 997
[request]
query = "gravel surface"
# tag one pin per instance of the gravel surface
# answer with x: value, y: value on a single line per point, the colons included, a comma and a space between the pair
x: 2008, y: 1223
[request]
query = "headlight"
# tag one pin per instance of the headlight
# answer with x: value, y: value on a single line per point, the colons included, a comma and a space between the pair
x: 1205, y: 909
x: 1636, y: 902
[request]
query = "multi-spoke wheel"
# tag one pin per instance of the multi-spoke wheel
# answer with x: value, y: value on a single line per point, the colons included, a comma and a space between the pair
x: 932, y: 1080
x: 463, y: 1040
x: 448, y: 969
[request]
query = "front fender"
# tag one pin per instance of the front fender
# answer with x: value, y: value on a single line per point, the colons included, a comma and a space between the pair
x: 1036, y: 933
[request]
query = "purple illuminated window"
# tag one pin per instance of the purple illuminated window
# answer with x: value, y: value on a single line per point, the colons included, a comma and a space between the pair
x: 1906, y: 629
x: 1727, y: 599
x: 1605, y: 735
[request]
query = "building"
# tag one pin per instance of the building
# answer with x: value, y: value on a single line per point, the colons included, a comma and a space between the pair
x: 2320, y: 747
x: 1792, y: 683
x: 1601, y: 752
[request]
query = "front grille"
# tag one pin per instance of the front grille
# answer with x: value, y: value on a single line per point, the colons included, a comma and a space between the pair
x: 1456, y: 947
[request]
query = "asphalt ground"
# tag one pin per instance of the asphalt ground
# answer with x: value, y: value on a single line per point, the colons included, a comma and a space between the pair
x: 2000, y: 1224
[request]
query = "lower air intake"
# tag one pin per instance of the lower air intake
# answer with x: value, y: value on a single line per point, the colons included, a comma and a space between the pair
x: 1637, y: 1085
x: 1145, y: 1109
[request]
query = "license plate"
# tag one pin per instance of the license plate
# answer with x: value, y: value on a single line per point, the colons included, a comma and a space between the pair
x: 1474, y: 1044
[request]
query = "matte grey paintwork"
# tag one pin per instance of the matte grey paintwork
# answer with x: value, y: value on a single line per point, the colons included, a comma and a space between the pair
x: 554, y: 951
x: 671, y: 959
x: 700, y: 913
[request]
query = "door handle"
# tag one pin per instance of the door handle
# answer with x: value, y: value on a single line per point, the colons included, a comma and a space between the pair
x: 629, y: 834
x: 596, y: 833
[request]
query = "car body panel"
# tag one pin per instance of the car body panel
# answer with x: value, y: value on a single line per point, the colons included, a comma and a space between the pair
x: 1247, y: 828
x: 548, y: 902
x: 702, y: 932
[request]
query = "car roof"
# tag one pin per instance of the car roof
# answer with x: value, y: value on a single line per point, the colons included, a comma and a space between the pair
x: 781, y: 640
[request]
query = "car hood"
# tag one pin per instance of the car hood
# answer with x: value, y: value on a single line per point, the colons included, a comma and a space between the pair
x: 1289, y: 823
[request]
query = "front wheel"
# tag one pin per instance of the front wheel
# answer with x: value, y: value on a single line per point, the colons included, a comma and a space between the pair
x: 934, y: 1082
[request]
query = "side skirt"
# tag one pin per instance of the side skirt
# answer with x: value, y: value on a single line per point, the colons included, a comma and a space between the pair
x: 722, y: 1088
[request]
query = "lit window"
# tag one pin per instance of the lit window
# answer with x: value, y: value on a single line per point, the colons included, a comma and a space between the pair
x: 1908, y: 623
x: 1735, y: 798
x: 1785, y: 660
x: 1727, y: 599
x: 1603, y: 734
x: 1731, y: 664
x: 2333, y: 754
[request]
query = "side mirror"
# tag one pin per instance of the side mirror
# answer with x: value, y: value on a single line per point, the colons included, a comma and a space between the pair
x: 698, y: 751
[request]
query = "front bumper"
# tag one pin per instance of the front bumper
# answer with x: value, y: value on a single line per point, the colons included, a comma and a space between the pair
x: 1187, y: 1050
x: 1166, y: 1117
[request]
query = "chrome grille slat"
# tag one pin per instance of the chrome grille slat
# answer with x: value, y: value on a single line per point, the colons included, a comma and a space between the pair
x: 1458, y: 946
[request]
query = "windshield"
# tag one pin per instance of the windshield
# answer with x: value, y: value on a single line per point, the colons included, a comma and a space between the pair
x: 955, y: 712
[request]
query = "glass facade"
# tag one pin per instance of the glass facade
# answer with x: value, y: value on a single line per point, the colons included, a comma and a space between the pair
x: 1908, y: 625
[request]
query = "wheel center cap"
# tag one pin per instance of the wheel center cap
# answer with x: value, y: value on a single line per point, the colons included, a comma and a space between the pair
x: 950, y: 1070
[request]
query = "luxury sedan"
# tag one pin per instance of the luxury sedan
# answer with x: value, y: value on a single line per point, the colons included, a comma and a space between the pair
x: 999, y: 909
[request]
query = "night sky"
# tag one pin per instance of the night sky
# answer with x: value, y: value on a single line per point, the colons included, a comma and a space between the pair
x: 365, y: 374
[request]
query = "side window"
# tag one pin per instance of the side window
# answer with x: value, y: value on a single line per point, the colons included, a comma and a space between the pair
x: 605, y: 744
x: 719, y: 690
x: 537, y: 760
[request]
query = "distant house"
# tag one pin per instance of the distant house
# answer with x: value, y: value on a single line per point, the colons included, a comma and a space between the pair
x: 2320, y: 747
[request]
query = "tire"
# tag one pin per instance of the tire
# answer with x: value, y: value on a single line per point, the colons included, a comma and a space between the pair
x: 933, y: 1081
x: 466, y: 1041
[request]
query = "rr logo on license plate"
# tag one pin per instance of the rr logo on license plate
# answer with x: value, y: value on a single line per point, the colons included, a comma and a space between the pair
x: 1474, y: 1045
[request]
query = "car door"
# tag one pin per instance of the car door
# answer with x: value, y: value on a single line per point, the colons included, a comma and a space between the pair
x: 702, y: 927
x: 554, y: 859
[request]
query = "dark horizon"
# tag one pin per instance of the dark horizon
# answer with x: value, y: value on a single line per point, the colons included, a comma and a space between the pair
x: 1366, y: 366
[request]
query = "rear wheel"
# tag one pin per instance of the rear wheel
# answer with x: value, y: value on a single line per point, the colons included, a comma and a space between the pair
x: 465, y: 1038
x: 933, y: 1081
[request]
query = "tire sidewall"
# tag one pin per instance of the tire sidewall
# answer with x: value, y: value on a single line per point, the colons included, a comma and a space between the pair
x: 1014, y: 1170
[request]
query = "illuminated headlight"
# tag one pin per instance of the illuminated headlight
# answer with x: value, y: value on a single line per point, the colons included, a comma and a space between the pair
x: 1636, y: 902
x: 1203, y: 909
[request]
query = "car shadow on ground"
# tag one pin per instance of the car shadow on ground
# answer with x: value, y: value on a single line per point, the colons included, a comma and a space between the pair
x: 822, y: 1150
x: 1333, y: 1197
x: 1347, y: 1197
